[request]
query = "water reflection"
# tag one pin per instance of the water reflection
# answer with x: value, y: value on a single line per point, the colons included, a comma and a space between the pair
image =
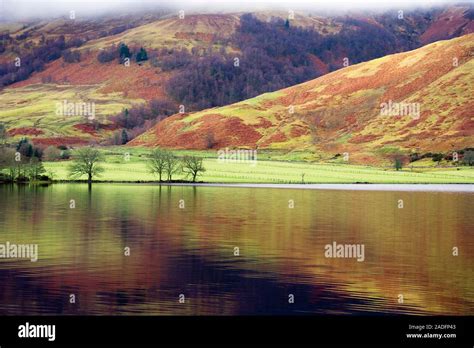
x: 190, y: 250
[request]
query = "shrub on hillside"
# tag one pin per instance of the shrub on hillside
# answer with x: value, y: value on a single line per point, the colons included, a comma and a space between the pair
x: 108, y: 55
x: 71, y: 56
x: 468, y: 158
x: 137, y: 116
x: 437, y: 157
x: 51, y: 153
x: 172, y: 59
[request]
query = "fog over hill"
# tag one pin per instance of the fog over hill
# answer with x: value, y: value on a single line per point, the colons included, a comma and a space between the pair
x: 24, y: 9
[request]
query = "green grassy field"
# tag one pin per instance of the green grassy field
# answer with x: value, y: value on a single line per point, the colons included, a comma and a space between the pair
x: 35, y: 107
x: 129, y: 164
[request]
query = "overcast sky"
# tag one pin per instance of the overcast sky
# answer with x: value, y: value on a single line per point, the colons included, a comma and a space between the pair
x: 14, y: 9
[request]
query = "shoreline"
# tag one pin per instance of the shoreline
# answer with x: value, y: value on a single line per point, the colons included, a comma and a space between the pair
x: 386, y: 187
x: 466, y: 188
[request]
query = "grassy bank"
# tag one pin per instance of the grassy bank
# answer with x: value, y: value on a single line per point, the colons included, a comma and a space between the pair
x: 129, y: 165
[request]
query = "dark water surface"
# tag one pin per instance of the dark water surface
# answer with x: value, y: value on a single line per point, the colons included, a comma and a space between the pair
x: 190, y: 251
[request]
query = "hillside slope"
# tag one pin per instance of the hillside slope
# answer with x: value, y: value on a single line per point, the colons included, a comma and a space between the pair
x: 341, y: 112
x: 29, y: 104
x: 454, y: 21
x: 188, y: 32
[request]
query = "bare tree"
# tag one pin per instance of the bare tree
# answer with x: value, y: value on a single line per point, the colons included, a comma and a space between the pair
x: 35, y: 169
x: 157, y: 162
x: 86, y: 162
x: 193, y: 166
x: 7, y: 162
x: 14, y: 163
x: 172, y: 165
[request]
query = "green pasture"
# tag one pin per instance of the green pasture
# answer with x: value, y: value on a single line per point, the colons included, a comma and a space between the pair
x: 129, y: 164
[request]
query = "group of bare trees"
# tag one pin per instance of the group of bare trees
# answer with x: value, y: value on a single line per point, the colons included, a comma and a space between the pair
x: 164, y: 163
x: 16, y: 167
x: 21, y: 163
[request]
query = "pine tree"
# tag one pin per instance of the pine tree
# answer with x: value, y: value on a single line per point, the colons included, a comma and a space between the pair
x: 126, y: 119
x: 142, y: 55
x: 124, y: 52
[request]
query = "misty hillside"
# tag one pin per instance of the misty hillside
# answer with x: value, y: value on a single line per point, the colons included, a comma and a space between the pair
x: 191, y: 63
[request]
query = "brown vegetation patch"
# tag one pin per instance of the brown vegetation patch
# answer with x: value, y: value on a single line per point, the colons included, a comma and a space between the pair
x: 414, y: 122
x: 226, y: 131
x: 351, y: 120
x: 263, y: 123
x: 61, y: 141
x: 86, y: 128
x: 25, y: 131
x: 297, y: 131
x: 137, y: 82
x: 424, y: 135
x: 466, y: 125
x: 229, y: 131
x: 322, y: 67
x: 277, y: 137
